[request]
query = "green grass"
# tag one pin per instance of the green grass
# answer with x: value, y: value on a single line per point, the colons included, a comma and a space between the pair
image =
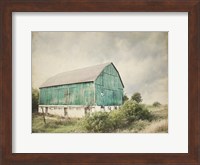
x: 55, y: 124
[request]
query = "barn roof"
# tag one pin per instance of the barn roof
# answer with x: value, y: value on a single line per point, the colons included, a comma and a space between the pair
x: 87, y: 74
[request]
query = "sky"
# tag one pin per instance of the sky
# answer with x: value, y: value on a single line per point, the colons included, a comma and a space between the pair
x: 140, y: 57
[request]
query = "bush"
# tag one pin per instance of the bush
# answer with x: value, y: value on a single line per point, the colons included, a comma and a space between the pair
x: 156, y: 104
x: 109, y: 121
x: 117, y: 119
x: 35, y: 99
x: 136, y: 97
x: 134, y: 111
x: 104, y: 121
x: 125, y: 98
x: 98, y: 122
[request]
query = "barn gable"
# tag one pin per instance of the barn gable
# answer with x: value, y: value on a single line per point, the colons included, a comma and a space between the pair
x: 110, y: 73
x: 109, y: 87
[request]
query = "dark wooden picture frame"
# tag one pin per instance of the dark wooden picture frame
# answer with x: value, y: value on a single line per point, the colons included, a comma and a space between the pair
x: 9, y: 6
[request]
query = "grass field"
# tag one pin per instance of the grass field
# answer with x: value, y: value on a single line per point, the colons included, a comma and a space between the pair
x: 55, y: 124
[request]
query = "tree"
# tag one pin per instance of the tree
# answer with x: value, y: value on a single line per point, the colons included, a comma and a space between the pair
x: 125, y: 98
x: 137, y: 97
x: 156, y: 104
x: 35, y: 99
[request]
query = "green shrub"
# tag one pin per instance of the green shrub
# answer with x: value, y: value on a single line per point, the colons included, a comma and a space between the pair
x: 134, y: 111
x: 130, y: 112
x: 125, y: 98
x: 136, y: 97
x: 156, y: 104
x: 117, y: 119
x: 98, y: 122
x: 35, y: 99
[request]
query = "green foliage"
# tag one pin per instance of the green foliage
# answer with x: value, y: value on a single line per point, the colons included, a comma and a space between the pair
x: 35, y: 99
x: 130, y: 112
x: 55, y: 124
x: 125, y: 98
x: 117, y: 118
x: 136, y: 97
x: 134, y: 111
x: 98, y: 122
x: 156, y: 104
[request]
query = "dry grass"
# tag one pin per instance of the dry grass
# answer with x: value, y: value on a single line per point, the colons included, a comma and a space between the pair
x: 55, y: 124
x: 157, y: 126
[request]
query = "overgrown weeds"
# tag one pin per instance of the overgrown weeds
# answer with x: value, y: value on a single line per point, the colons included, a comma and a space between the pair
x: 130, y: 112
x: 131, y: 117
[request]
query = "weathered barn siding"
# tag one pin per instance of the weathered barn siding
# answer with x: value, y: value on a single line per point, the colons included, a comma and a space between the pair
x: 108, y: 87
x: 71, y: 94
x: 76, y: 93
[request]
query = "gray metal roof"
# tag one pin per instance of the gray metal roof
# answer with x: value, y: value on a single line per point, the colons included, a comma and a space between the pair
x: 75, y: 76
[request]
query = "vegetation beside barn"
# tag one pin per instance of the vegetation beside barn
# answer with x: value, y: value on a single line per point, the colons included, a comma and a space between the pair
x: 155, y: 120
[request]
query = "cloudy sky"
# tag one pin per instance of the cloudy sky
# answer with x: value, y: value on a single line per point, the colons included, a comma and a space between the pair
x: 140, y: 57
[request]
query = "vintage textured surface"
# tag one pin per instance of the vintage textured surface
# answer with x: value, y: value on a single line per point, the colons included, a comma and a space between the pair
x: 97, y: 85
x: 7, y: 157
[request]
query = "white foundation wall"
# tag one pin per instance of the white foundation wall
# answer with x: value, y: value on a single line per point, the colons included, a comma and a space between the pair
x: 73, y: 111
x: 51, y: 110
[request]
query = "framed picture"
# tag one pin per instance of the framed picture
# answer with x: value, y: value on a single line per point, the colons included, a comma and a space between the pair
x: 98, y: 82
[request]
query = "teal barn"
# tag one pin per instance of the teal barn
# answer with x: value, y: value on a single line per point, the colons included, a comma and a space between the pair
x: 95, y: 86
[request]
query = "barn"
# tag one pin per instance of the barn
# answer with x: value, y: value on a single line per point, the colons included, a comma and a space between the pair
x: 75, y: 93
